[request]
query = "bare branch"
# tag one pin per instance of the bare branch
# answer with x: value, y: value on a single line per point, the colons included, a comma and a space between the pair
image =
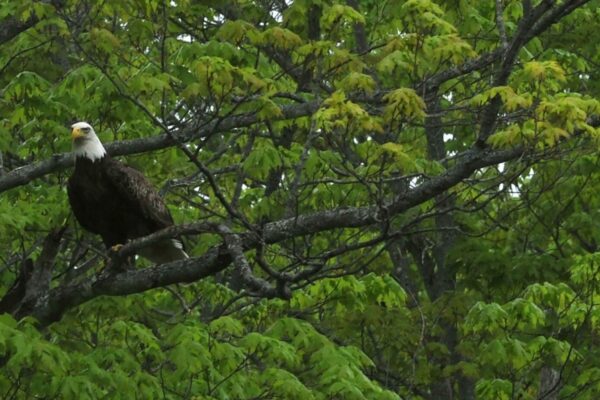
x: 500, y: 24
x: 23, y: 175
x: 217, y: 258
x: 360, y: 36
x: 33, y: 282
x: 235, y: 247
x: 525, y: 32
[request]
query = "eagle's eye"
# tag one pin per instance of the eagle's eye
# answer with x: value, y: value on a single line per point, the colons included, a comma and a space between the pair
x: 86, y: 129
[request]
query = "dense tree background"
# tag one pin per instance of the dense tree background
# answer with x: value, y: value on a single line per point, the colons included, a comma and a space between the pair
x: 382, y: 199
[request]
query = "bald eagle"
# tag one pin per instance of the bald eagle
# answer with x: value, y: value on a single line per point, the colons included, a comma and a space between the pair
x: 116, y: 201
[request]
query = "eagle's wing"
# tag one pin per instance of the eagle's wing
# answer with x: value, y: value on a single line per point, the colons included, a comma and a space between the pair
x: 133, y: 186
x: 78, y: 206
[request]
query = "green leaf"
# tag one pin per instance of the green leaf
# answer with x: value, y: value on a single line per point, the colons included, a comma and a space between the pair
x: 403, y: 103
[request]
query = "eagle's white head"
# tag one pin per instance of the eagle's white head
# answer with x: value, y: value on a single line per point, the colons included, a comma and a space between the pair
x: 85, y: 142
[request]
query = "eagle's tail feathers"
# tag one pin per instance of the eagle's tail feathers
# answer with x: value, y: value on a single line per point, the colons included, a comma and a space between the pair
x: 165, y: 251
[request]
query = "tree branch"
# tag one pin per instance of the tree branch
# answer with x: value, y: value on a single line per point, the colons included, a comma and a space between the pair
x: 57, y: 162
x: 33, y: 282
x: 500, y: 24
x: 12, y: 26
x: 263, y: 288
x: 510, y: 53
x: 217, y: 258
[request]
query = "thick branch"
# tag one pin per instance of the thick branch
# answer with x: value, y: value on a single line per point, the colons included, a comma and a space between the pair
x: 500, y: 24
x: 360, y: 35
x: 509, y: 56
x: 12, y: 26
x: 236, y: 251
x: 33, y: 282
x: 217, y: 258
x: 23, y: 175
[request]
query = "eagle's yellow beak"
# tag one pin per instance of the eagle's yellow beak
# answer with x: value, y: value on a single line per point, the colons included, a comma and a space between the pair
x: 77, y: 133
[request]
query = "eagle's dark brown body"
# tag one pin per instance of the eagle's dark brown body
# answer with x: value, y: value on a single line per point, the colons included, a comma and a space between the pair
x: 115, y: 201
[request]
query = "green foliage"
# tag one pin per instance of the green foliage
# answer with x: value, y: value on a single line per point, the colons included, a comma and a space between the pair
x: 494, y: 389
x: 339, y: 113
x: 108, y: 356
x: 403, y: 103
x: 300, y: 107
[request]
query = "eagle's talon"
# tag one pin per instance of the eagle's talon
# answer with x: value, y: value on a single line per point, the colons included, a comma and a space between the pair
x: 116, y: 248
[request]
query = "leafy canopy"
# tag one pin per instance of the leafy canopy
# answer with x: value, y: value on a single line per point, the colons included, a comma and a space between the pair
x: 395, y: 199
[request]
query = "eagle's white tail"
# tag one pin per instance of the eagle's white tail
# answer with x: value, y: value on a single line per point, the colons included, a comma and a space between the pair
x: 165, y: 251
